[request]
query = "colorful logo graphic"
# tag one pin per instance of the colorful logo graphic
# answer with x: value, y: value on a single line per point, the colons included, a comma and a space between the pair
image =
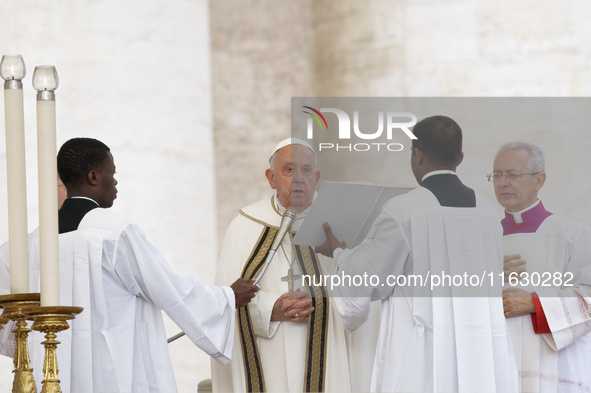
x: 316, y: 117
x: 389, y: 125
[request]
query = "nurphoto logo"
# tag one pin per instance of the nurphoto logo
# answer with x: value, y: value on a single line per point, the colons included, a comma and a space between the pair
x: 389, y: 125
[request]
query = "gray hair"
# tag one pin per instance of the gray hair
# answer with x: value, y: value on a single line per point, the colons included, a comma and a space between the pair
x: 536, y: 162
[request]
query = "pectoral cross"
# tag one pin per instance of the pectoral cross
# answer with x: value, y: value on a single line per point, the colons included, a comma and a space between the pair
x: 290, y: 278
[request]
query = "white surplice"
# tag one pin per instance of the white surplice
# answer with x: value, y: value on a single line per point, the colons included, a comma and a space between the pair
x: 454, y: 343
x: 6, y: 336
x: 4, y: 270
x: 282, y: 345
x: 118, y: 343
x: 361, y: 345
x: 559, y: 361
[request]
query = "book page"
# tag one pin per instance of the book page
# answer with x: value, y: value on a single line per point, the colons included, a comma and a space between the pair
x: 349, y: 208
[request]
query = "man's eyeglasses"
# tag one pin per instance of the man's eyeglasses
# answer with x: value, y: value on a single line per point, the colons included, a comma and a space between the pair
x: 494, y: 177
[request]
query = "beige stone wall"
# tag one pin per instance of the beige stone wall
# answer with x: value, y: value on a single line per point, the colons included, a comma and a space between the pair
x: 261, y: 54
x: 360, y: 48
x: 453, y: 48
x: 398, y: 48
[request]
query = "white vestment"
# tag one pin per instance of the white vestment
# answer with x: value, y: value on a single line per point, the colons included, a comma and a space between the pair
x: 282, y: 345
x: 4, y: 270
x: 118, y: 343
x: 456, y: 343
x: 559, y: 361
x: 6, y: 336
x: 361, y: 345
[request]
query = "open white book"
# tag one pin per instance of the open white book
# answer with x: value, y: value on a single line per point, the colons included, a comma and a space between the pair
x: 349, y: 208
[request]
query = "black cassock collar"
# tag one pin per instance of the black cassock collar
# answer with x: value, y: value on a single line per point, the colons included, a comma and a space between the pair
x: 72, y: 212
x: 450, y: 191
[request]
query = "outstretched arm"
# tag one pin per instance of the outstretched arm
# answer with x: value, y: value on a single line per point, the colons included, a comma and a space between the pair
x: 244, y: 291
x: 332, y: 243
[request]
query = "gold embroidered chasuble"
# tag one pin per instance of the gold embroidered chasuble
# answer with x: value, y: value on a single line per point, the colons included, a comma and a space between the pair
x: 279, y: 356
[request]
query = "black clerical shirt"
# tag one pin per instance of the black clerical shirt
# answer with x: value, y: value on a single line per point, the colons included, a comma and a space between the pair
x: 72, y: 212
x: 450, y: 191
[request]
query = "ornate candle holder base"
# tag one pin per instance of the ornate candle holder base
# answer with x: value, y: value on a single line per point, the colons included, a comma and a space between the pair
x: 16, y: 307
x: 51, y: 320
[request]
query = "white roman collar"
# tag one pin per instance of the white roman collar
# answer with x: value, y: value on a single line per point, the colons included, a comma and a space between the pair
x: 439, y: 172
x: 83, y: 197
x: 517, y: 215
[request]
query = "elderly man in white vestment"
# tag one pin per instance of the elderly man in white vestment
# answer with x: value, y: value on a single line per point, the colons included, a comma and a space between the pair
x: 286, y: 342
x: 427, y: 342
x: 108, y: 266
x: 548, y: 262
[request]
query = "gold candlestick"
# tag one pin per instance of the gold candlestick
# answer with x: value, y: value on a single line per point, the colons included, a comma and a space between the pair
x: 16, y: 307
x: 3, y: 321
x: 51, y: 320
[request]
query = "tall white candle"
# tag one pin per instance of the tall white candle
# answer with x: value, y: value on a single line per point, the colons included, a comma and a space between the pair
x: 13, y: 69
x: 48, y: 218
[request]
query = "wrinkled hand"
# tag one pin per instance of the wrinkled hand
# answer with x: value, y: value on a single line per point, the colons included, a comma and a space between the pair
x: 243, y: 291
x: 513, y: 264
x: 332, y: 243
x: 517, y: 302
x: 292, y: 307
